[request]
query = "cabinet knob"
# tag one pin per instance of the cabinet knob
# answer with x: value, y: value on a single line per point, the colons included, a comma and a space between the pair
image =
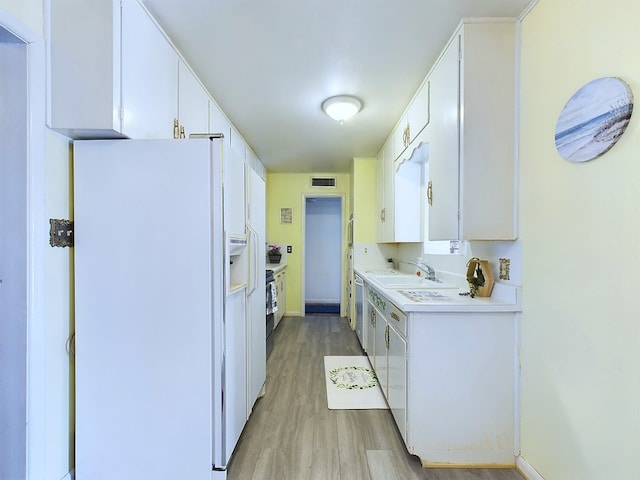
x: 430, y: 193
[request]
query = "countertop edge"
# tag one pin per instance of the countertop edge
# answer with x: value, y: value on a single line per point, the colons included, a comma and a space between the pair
x: 505, y: 298
x: 276, y: 267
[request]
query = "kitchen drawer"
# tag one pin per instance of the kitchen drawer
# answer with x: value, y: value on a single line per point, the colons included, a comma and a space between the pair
x: 397, y: 319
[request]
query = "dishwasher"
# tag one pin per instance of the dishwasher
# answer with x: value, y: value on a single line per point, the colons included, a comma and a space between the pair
x: 359, y: 314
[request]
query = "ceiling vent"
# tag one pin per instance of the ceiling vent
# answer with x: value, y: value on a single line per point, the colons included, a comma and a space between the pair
x: 323, y: 182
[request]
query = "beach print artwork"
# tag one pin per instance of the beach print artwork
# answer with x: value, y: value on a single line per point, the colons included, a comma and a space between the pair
x: 593, y: 119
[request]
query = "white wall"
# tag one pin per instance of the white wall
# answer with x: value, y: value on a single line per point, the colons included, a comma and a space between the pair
x: 580, y: 232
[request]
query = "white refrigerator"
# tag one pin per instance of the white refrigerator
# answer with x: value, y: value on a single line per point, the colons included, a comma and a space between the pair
x: 256, y: 296
x: 151, y: 377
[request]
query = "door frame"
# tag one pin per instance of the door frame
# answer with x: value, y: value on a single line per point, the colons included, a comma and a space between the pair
x: 36, y: 242
x: 303, y: 265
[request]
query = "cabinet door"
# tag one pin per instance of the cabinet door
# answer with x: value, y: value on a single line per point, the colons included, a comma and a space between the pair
x: 408, y: 201
x: 385, y: 191
x: 281, y: 296
x: 397, y: 379
x: 370, y: 317
x: 84, y: 76
x: 443, y: 157
x: 380, y: 196
x: 234, y: 206
x: 193, y: 102
x: 381, y: 367
x: 487, y: 147
x: 399, y: 137
x: 418, y: 112
x: 149, y: 77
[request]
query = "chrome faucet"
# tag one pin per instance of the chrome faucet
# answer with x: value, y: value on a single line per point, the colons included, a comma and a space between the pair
x: 428, y: 270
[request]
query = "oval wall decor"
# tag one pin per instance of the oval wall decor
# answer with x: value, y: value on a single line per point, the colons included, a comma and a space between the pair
x: 593, y: 119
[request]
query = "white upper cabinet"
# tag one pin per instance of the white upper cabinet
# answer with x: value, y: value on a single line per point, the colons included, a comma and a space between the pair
x: 418, y: 113
x: 234, y: 193
x: 113, y: 73
x: 149, y: 78
x: 412, y: 123
x: 193, y: 103
x: 472, y: 135
x: 399, y: 187
x: 385, y: 222
x: 442, y: 189
x: 399, y: 138
x: 408, y: 191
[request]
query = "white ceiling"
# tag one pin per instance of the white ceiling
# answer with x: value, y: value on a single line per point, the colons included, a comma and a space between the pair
x: 270, y: 64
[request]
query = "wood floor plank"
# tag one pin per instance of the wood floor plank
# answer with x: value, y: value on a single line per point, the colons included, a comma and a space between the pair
x: 292, y: 435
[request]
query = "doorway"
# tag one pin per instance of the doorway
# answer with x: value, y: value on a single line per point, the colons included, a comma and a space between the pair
x: 323, y: 255
x: 22, y: 246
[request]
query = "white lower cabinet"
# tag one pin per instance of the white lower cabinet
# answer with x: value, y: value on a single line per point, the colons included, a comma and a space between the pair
x: 390, y: 354
x: 381, y: 368
x: 369, y: 325
x: 281, y: 292
x: 397, y: 377
x: 449, y: 380
x: 460, y: 395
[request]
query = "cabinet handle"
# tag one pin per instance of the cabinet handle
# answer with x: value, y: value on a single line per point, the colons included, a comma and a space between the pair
x: 176, y: 128
x: 386, y: 337
x: 395, y: 316
x: 182, y: 134
x: 430, y: 193
x: 383, y: 215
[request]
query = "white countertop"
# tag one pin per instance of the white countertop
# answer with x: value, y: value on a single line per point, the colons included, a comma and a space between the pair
x: 504, y: 298
x: 276, y: 267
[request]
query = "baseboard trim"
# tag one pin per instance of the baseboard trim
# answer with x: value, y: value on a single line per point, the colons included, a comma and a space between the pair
x: 527, y: 470
x: 466, y: 465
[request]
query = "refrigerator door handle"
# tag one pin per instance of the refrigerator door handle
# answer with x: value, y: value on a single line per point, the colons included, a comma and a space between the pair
x: 253, y: 265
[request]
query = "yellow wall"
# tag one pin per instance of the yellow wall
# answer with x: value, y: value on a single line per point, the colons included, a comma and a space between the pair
x: 364, y: 199
x: 287, y: 191
x: 580, y: 231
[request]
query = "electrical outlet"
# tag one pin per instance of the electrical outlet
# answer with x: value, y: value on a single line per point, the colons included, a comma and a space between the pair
x: 366, y: 250
x: 289, y: 249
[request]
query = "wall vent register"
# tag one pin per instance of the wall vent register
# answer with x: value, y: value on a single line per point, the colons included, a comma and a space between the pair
x: 323, y: 182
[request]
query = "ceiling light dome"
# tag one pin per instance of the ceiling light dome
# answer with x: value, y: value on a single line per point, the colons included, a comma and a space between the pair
x: 341, y: 107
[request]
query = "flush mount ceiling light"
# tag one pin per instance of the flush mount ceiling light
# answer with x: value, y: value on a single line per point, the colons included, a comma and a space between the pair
x: 341, y: 107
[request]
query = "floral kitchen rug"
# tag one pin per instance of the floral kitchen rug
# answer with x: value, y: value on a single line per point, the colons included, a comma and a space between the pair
x: 352, y: 384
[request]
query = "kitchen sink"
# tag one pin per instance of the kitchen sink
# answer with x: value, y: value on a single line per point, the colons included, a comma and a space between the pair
x: 409, y: 281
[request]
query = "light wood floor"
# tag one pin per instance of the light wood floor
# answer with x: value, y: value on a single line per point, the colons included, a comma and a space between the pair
x: 292, y: 435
